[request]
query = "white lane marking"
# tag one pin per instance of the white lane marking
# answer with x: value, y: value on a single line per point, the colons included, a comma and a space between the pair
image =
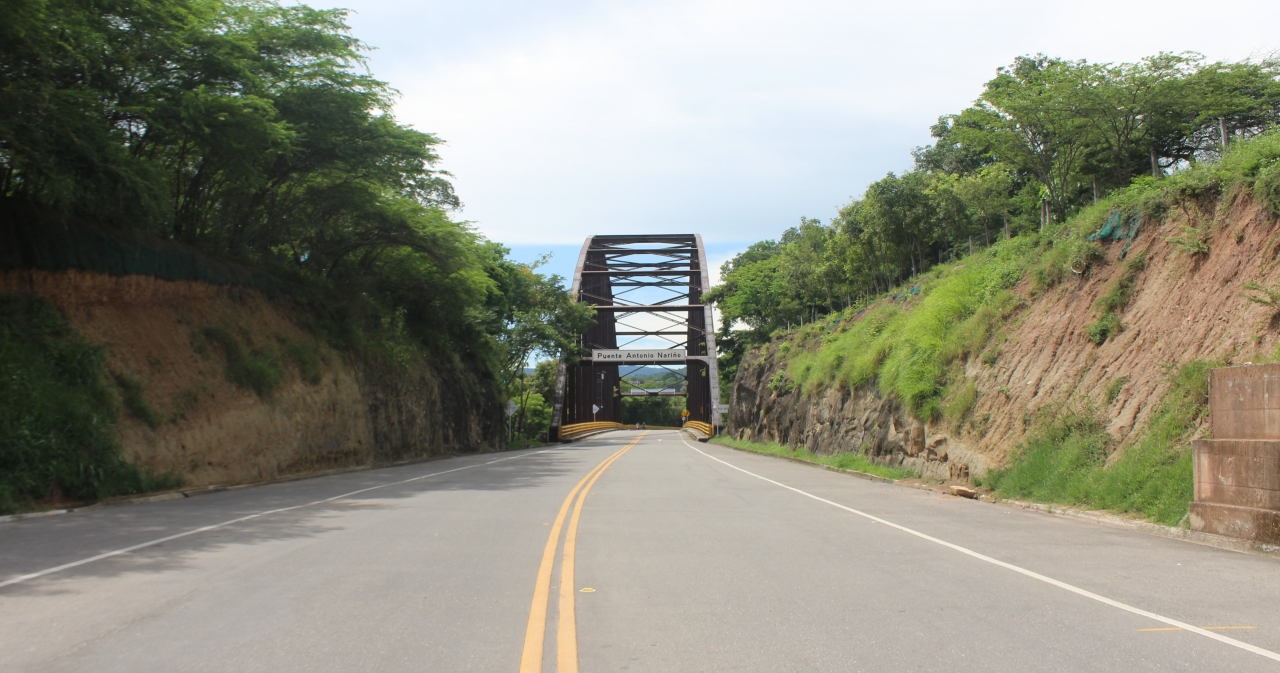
x: 203, y: 529
x: 1009, y: 566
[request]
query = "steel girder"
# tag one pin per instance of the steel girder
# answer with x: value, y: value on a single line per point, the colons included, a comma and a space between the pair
x: 612, y: 267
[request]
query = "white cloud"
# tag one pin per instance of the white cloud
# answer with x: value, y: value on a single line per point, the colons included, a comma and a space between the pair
x: 729, y: 119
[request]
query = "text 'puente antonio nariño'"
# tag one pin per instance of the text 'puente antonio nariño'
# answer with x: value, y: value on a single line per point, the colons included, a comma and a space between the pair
x: 647, y: 293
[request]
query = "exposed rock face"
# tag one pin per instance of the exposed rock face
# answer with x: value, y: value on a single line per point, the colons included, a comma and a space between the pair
x: 840, y: 420
x: 1184, y: 307
x: 214, y: 432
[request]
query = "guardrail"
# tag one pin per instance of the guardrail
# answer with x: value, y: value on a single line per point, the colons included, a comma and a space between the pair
x: 704, y: 428
x: 575, y: 429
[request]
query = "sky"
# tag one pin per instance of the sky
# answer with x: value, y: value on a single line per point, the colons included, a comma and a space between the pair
x: 563, y: 119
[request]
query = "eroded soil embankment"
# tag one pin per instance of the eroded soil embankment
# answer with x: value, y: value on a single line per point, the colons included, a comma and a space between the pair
x: 1185, y: 305
x: 315, y: 408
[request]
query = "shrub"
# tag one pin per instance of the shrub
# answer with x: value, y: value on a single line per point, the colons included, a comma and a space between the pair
x: 1191, y: 240
x: 1118, y: 294
x: 1265, y: 296
x: 57, y: 416
x: 1103, y: 328
x: 1067, y: 255
x: 257, y: 370
x: 306, y: 357
x: 778, y: 381
x: 1114, y: 388
x: 131, y: 393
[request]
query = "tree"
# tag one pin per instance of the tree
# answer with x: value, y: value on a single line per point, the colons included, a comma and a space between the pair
x: 1039, y: 121
x: 1131, y: 106
x: 987, y: 194
x: 539, y: 318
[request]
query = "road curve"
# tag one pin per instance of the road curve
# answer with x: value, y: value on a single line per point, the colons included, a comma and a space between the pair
x: 684, y: 557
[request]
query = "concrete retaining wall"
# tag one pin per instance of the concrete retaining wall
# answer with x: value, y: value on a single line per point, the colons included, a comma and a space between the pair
x: 1237, y: 473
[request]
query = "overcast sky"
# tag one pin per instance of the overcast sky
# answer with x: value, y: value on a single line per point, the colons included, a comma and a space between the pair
x: 730, y: 119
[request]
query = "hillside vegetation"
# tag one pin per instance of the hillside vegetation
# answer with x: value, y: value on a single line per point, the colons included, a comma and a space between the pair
x: 250, y: 134
x: 914, y: 289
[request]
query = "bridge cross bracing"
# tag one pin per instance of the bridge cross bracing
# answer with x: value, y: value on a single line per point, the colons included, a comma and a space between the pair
x: 647, y: 292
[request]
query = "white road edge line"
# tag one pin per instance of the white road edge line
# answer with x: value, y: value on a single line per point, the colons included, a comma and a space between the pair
x: 203, y: 529
x: 1009, y: 566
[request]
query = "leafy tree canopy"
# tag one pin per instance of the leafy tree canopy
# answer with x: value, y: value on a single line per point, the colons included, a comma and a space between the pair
x: 1045, y: 137
x: 252, y: 131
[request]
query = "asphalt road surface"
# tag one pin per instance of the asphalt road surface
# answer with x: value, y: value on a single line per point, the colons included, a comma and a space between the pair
x: 682, y: 557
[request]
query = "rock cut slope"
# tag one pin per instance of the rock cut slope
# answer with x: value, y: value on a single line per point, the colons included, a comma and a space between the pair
x: 1185, y: 302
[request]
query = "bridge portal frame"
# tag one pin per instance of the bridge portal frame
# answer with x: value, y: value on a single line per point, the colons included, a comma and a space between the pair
x: 606, y: 271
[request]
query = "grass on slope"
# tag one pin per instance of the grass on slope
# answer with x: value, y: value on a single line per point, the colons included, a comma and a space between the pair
x: 910, y: 343
x: 908, y: 350
x: 844, y: 461
x: 57, y: 416
x: 1065, y: 459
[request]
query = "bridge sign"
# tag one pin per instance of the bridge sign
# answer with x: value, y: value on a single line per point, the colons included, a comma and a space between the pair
x: 645, y: 291
x: 675, y: 355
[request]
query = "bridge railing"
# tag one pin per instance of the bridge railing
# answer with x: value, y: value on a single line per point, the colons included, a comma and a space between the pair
x: 575, y: 429
x: 704, y: 428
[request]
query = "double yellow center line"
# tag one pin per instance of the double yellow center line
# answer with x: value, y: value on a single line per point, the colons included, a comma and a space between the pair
x: 567, y: 627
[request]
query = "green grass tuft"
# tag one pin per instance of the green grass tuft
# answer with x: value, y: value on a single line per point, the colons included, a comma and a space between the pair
x: 1064, y: 460
x: 843, y: 461
x: 958, y: 404
x: 1114, y: 388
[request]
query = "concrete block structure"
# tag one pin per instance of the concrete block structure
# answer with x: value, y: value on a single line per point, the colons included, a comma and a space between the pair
x: 1237, y: 473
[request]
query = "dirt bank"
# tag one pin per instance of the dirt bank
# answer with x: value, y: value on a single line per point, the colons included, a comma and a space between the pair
x: 172, y: 342
x: 1185, y: 305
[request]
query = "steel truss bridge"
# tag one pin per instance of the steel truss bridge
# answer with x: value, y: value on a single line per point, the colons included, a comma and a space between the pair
x: 646, y: 290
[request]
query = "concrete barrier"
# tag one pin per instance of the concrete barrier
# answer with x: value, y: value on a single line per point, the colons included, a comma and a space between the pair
x: 1237, y: 473
x: 704, y: 431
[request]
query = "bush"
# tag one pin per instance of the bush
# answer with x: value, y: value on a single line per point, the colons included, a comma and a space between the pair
x: 306, y: 357
x: 258, y: 370
x: 1103, y: 328
x: 131, y: 393
x: 57, y: 416
x: 1067, y: 255
x: 1191, y: 240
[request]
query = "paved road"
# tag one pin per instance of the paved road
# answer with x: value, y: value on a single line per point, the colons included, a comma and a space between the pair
x: 698, y: 558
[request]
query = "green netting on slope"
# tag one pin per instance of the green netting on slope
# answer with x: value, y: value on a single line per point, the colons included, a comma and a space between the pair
x: 1119, y: 227
x: 29, y: 240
